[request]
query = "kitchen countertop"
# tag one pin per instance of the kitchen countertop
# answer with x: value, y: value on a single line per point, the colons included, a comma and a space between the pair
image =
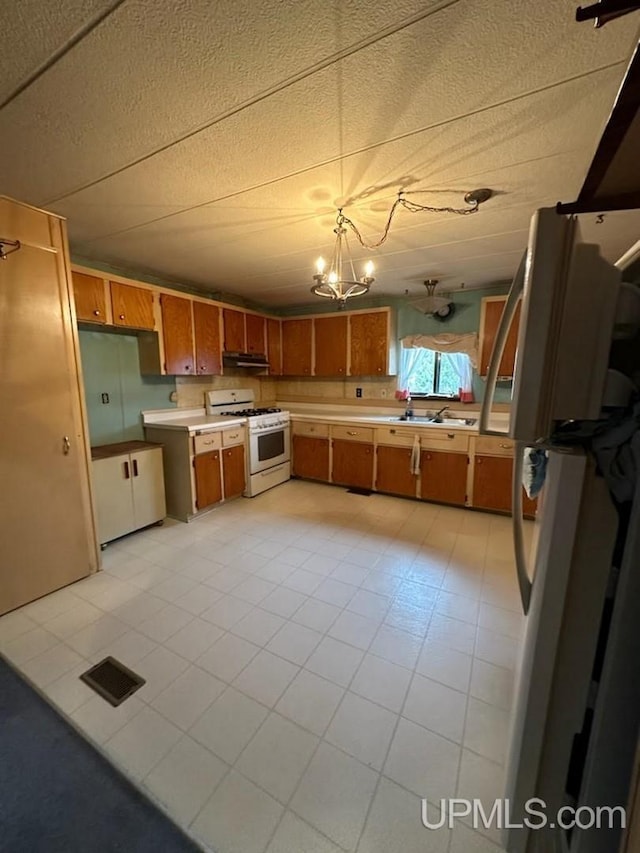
x: 106, y: 451
x: 192, y: 420
x: 382, y: 420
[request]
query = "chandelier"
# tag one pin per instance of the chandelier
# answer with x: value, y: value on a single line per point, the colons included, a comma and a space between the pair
x: 340, y: 284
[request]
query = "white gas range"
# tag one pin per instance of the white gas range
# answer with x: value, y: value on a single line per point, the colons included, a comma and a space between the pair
x: 269, y: 449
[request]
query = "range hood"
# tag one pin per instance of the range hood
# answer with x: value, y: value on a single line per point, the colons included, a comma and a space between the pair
x: 244, y: 359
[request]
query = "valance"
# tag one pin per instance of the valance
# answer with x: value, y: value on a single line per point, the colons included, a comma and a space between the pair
x: 466, y: 343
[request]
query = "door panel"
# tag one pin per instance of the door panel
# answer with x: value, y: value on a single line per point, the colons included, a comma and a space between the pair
x: 394, y: 471
x: 206, y: 322
x: 233, y: 467
x: 296, y: 347
x: 492, y: 483
x: 352, y: 464
x: 45, y: 522
x: 234, y: 334
x: 177, y: 334
x: 132, y: 306
x: 274, y: 347
x: 208, y: 482
x: 369, y: 344
x: 112, y: 484
x: 147, y: 483
x: 311, y: 457
x: 443, y: 477
x: 330, y: 346
x: 89, y: 298
x: 255, y: 334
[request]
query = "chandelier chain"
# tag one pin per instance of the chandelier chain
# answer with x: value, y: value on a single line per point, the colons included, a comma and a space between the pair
x: 412, y: 207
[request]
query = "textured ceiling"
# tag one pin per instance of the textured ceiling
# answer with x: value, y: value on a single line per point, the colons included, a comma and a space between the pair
x: 211, y: 143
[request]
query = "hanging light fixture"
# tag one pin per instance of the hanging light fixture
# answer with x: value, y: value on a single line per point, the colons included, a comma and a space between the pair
x: 332, y: 283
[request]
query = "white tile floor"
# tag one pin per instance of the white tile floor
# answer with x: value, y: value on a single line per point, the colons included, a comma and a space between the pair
x: 316, y: 662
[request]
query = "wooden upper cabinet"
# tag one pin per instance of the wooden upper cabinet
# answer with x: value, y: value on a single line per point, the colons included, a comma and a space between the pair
x: 206, y: 325
x: 255, y: 334
x: 330, y: 334
x: 274, y: 346
x: 234, y: 331
x: 177, y: 335
x: 490, y: 315
x: 369, y: 343
x: 132, y: 306
x: 296, y: 347
x: 90, y: 298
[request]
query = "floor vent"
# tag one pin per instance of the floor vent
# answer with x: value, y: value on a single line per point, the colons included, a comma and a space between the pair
x: 356, y: 491
x: 112, y: 680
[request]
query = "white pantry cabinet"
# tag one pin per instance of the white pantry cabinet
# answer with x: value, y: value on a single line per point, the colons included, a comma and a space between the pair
x: 128, y: 483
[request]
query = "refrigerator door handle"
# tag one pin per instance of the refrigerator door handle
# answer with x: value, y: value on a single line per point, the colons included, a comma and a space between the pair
x: 508, y: 313
x: 517, y: 519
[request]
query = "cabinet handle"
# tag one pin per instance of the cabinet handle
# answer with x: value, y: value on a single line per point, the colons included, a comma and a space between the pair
x: 427, y: 456
x: 121, y: 316
x: 379, y: 370
x: 66, y: 445
x: 341, y: 370
x: 203, y: 367
x: 506, y: 446
x: 450, y: 435
x: 478, y: 461
x: 351, y: 432
x: 135, y: 467
x: 126, y: 471
x: 96, y: 313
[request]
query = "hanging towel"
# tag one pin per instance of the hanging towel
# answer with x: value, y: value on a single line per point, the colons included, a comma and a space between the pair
x: 415, y: 456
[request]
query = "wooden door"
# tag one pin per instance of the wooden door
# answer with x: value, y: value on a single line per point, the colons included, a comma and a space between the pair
x: 147, y: 483
x: 296, y: 347
x: 369, y: 344
x: 206, y: 325
x: 352, y: 464
x: 89, y: 297
x: 330, y: 335
x: 443, y: 477
x: 492, y: 482
x: 274, y: 347
x: 132, y: 306
x: 255, y: 334
x: 208, y: 482
x: 492, y: 312
x: 177, y: 333
x: 234, y: 332
x: 114, y: 497
x: 233, y: 467
x: 394, y: 471
x: 311, y: 457
x: 46, y: 522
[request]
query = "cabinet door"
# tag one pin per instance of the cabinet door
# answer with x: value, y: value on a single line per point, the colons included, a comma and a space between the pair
x: 255, y: 334
x: 206, y: 324
x: 491, y: 313
x: 89, y: 297
x: 113, y: 497
x: 233, y: 467
x: 296, y: 347
x: 492, y: 486
x: 330, y: 334
x: 274, y: 347
x: 147, y: 482
x: 132, y: 306
x: 394, y: 471
x: 311, y: 457
x: 177, y: 334
x: 352, y: 464
x: 443, y: 477
x: 492, y: 482
x: 234, y: 334
x: 369, y: 344
x: 208, y: 483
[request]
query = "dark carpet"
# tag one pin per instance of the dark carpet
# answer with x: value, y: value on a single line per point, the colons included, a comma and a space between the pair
x: 58, y: 795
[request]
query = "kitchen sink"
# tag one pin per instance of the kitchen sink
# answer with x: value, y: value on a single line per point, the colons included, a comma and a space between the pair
x: 451, y: 422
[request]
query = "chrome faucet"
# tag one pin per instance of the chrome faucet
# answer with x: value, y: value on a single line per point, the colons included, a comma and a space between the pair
x: 440, y: 411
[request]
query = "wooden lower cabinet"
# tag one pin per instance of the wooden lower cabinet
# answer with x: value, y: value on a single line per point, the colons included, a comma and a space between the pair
x: 443, y: 477
x: 394, y: 471
x: 492, y: 485
x: 233, y: 471
x: 208, y: 480
x: 352, y: 464
x: 311, y: 457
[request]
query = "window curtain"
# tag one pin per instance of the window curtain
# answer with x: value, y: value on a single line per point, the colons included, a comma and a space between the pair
x: 409, y: 359
x: 461, y: 363
x: 447, y: 343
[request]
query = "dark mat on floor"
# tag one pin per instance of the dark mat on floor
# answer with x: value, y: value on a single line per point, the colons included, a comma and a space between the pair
x: 58, y: 795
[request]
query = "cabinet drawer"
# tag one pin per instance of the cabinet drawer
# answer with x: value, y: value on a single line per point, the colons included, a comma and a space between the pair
x: 491, y: 445
x: 233, y: 436
x: 305, y: 428
x: 456, y: 442
x: 348, y: 433
x: 397, y: 437
x: 206, y: 442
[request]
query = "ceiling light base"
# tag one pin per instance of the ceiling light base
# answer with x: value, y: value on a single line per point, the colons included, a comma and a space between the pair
x: 477, y: 197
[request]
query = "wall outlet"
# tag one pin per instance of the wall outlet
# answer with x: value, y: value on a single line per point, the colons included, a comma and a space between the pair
x: 105, y: 398
x: 358, y: 392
